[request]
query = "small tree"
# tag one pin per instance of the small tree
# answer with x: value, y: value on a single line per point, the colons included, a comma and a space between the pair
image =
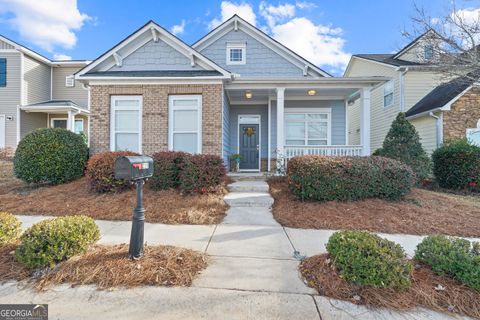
x: 403, y: 143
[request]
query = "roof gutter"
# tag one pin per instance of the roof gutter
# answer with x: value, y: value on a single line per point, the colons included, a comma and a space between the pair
x: 425, y: 113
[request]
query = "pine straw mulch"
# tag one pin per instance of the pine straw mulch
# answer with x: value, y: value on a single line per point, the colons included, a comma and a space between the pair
x: 455, y: 297
x: 109, y: 267
x: 74, y: 198
x: 421, y: 212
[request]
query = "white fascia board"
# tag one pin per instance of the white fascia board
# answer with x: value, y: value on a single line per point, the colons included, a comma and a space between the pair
x: 152, y: 81
x: 164, y: 36
x: 53, y: 108
x: 425, y: 113
x: 377, y: 62
x: 286, y: 53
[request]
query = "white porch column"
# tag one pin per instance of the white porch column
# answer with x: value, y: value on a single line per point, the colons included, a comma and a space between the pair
x: 71, y: 121
x: 280, y: 121
x: 365, y: 121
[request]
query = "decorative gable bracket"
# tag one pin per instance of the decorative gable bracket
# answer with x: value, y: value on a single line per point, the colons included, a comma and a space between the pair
x: 118, y: 59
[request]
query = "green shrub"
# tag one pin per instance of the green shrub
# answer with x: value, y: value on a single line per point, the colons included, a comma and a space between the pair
x: 451, y: 256
x: 50, y: 156
x: 366, y: 259
x: 167, y: 167
x: 100, y: 173
x: 403, y: 143
x: 456, y: 165
x: 51, y: 241
x: 202, y: 173
x: 10, y: 228
x: 348, y: 178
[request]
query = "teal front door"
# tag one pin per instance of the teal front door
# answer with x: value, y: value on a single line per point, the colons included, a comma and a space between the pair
x: 249, y: 147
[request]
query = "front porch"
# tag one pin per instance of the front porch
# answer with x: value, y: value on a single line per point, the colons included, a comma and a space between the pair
x: 266, y: 121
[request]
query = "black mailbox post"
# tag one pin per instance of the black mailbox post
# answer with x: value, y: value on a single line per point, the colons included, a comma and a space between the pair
x: 136, y: 169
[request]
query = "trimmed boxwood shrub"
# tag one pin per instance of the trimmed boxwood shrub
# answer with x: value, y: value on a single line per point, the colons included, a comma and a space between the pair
x: 452, y: 256
x: 167, y: 167
x: 456, y: 165
x: 202, y: 173
x: 100, y: 173
x: 366, y: 259
x: 403, y: 143
x: 348, y: 178
x: 50, y: 156
x: 51, y: 241
x: 10, y: 228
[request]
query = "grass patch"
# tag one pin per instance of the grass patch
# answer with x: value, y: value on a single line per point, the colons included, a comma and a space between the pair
x: 109, y: 267
x: 422, y: 212
x: 74, y: 198
x: 428, y: 290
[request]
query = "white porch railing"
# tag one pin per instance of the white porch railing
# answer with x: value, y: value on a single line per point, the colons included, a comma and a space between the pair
x: 334, y: 151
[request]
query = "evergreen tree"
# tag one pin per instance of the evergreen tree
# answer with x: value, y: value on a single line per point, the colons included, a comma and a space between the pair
x: 403, y: 143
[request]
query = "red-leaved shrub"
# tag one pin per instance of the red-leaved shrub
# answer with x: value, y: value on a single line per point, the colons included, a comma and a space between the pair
x: 100, y: 175
x: 202, y: 173
x: 167, y: 167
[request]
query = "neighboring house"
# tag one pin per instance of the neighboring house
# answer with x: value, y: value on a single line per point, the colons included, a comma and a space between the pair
x: 236, y: 90
x: 36, y: 92
x: 412, y: 76
x: 456, y: 107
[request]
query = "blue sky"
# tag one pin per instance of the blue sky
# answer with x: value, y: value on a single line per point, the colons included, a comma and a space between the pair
x: 325, y: 32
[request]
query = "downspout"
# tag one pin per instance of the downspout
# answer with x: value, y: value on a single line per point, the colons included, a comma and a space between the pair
x: 438, y: 127
x: 402, y: 89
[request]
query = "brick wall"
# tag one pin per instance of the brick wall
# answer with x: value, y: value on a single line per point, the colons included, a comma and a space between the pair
x: 155, y: 115
x: 465, y: 113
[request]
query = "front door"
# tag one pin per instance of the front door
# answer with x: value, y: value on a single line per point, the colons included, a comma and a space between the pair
x: 249, y: 147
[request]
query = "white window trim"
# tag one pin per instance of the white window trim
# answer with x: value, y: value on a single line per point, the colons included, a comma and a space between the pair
x: 66, y: 119
x: 171, y: 108
x: 113, y: 108
x: 327, y: 111
x: 393, y: 93
x: 70, y: 81
x: 236, y: 45
x: 258, y: 120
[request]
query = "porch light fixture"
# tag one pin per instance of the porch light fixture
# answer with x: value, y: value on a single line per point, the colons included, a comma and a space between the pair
x: 311, y: 92
x: 248, y: 94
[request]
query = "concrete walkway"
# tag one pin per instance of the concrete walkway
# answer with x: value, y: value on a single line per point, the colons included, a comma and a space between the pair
x: 252, y: 272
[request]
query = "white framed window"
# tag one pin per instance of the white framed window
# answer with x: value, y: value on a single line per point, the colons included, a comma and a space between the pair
x: 307, y: 127
x: 428, y: 52
x: 388, y: 93
x: 62, y: 123
x: 126, y: 123
x: 185, y: 123
x: 236, y: 53
x: 70, y: 81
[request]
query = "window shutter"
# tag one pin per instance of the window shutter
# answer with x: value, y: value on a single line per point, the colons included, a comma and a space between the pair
x: 3, y: 72
x: 70, y: 81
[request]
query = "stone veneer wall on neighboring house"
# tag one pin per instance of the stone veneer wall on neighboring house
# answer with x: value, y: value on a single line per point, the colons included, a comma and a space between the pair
x: 155, y: 115
x: 464, y: 113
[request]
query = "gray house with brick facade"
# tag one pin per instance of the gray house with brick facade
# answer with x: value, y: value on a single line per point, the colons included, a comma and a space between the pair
x: 236, y: 90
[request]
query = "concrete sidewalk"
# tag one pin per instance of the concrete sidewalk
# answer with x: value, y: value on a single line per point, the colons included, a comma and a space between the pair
x: 252, y: 274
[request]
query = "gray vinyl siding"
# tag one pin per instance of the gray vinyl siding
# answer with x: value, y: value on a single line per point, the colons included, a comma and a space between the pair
x: 36, y: 81
x: 77, y: 94
x: 31, y: 121
x: 338, y: 122
x: 261, y: 110
x: 155, y: 56
x: 261, y: 61
x: 5, y: 46
x: 10, y: 96
x: 226, y: 129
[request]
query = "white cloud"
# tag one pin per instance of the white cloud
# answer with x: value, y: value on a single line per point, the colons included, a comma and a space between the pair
x: 274, y: 14
x: 305, y: 5
x: 61, y: 56
x: 46, y: 23
x: 228, y: 9
x: 178, y: 28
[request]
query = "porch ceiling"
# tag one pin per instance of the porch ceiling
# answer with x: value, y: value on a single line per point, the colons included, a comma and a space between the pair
x: 261, y: 96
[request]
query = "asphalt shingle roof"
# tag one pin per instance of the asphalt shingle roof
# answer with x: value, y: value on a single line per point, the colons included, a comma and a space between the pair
x: 388, y: 59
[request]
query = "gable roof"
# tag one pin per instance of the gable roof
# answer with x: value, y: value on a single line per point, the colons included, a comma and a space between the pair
x: 442, y: 95
x: 413, y: 43
x: 261, y: 36
x: 37, y: 56
x: 149, y: 31
x: 388, y: 59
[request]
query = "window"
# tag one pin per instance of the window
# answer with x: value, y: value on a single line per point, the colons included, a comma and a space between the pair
x: 126, y: 123
x: 3, y: 72
x: 388, y: 93
x: 310, y: 128
x: 428, y: 52
x: 62, y: 123
x: 185, y: 123
x: 236, y: 53
x: 69, y: 81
